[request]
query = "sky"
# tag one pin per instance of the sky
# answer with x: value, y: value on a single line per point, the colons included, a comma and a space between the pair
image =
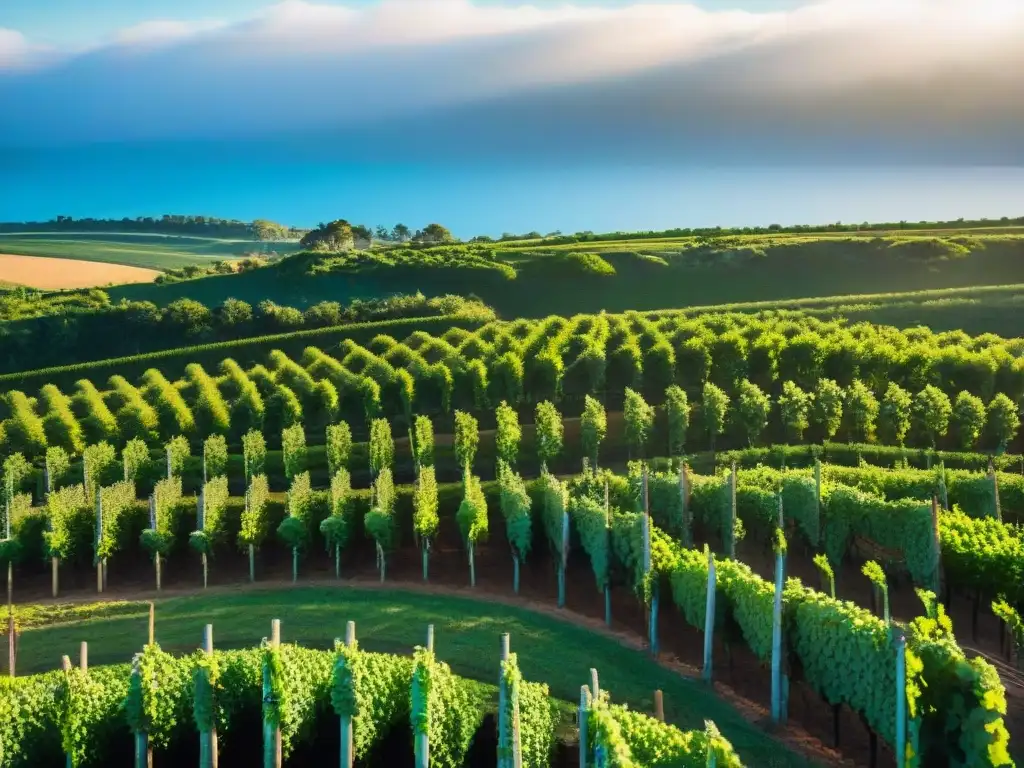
x: 472, y: 85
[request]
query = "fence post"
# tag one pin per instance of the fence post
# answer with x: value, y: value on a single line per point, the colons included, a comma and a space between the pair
x: 581, y: 716
x: 607, y: 533
x: 83, y: 657
x: 943, y: 492
x: 504, y: 735
x: 684, y: 499
x: 152, y: 623
x: 709, y: 617
x: 99, y: 539
x: 778, y: 695
x: 347, y: 745
x: 564, y: 559
x: 995, y: 494
x: 208, y: 739
x: 901, y: 700
x: 659, y: 705
x: 730, y: 536
x: 271, y: 732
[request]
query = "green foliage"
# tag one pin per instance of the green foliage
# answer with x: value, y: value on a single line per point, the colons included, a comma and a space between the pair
x: 472, y: 513
x: 894, y: 414
x: 382, y: 446
x: 828, y: 576
x: 23, y: 430
x: 516, y: 506
x: 157, y: 701
x: 932, y: 411
x: 467, y: 438
x: 982, y: 555
x: 592, y: 522
x: 639, y: 420
x: 167, y: 504
x: 593, y: 427
x: 16, y: 470
x: 336, y: 527
x: 135, y: 457
x: 794, y: 409
x: 751, y: 410
x: 380, y: 520
x: 828, y: 407
x: 205, y: 687
x: 254, y: 452
x: 508, y: 434
x: 444, y: 708
x: 968, y: 419
x: 60, y: 426
x: 714, y: 405
x: 98, y: 462
x: 67, y: 512
x: 215, y: 456
x: 293, y: 445
x: 548, y: 422
x: 58, y: 465
x: 254, y: 523
x: 425, y: 520
x: 677, y: 412
x: 294, y: 529
x: 178, y: 452
x: 861, y: 411
x: 339, y: 446
x: 423, y: 441
x: 117, y: 500
x: 214, y: 500
x: 1003, y: 419
x: 554, y: 501
x: 373, y: 689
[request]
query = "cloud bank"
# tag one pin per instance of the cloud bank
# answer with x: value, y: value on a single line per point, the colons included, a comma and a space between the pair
x: 447, y: 80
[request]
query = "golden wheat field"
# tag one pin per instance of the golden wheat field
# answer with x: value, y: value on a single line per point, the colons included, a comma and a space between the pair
x: 52, y: 274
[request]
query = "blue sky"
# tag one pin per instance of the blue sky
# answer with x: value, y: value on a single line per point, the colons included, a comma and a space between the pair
x: 459, y: 89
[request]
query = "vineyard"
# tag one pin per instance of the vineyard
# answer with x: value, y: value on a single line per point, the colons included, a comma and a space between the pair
x: 939, y: 531
x: 799, y: 508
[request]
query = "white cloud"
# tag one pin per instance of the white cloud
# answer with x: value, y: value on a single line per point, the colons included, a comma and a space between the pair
x: 15, y: 50
x: 300, y: 65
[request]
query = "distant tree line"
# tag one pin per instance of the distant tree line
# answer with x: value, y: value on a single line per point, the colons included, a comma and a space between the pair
x: 134, y: 327
x: 199, y: 226
x: 340, y: 235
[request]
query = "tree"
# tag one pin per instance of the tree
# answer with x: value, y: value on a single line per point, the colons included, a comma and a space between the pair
x: 968, y: 419
x: 381, y: 232
x: 639, y: 419
x: 932, y: 411
x: 269, y: 230
x: 794, y: 410
x: 323, y: 315
x: 508, y: 434
x: 434, y: 233
x: 467, y: 438
x: 188, y: 317
x: 894, y: 414
x: 751, y: 410
x: 861, y: 409
x: 593, y: 426
x: 714, y: 406
x: 1003, y: 421
x: 423, y: 443
x: 677, y: 413
x: 828, y: 407
x: 548, y: 423
x: 362, y: 236
x: 382, y: 446
x: 401, y: 233
x: 333, y: 236
x: 234, y: 314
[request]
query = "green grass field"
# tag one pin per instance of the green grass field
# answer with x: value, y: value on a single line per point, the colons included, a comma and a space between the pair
x: 137, y: 250
x: 467, y: 635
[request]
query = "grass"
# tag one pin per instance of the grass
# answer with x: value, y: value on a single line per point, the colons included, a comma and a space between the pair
x: 646, y: 274
x: 466, y: 637
x: 137, y: 250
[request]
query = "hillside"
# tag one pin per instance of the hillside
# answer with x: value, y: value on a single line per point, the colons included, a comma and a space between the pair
x: 526, y: 280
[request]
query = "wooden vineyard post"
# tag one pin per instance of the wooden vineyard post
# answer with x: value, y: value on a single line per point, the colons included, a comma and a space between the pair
x: 709, y: 617
x: 581, y: 716
x: 12, y: 640
x: 817, y: 493
x: 564, y: 559
x: 252, y: 548
x: 995, y: 493
x: 168, y: 450
x: 937, y: 544
x: 608, y: 543
x: 83, y: 657
x: 143, y: 753
x: 347, y: 745
x: 422, y: 741
x: 684, y: 500
x: 202, y: 522
x: 271, y: 730
x: 152, y: 623
x: 901, y: 700
x: 430, y: 637
x: 509, y: 749
x: 65, y: 665
x: 157, y: 564
x: 652, y: 616
x: 659, y: 705
x: 99, y: 540
x: 730, y: 535
x: 778, y: 683
x: 55, y: 575
x: 943, y: 492
x: 208, y: 739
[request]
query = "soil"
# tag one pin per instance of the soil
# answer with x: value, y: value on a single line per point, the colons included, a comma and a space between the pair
x: 739, y: 677
x: 54, y: 273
